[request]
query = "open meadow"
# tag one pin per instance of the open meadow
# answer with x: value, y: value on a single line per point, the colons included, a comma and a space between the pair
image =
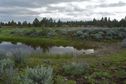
x: 62, y: 56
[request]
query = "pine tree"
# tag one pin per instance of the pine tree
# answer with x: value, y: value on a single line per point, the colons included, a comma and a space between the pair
x: 36, y: 23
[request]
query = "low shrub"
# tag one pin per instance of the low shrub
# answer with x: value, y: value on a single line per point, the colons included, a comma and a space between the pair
x: 101, y: 75
x: 7, y: 71
x: 100, y: 78
x: 121, y: 74
x: 75, y: 69
x: 37, y: 75
x: 99, y: 34
x: 18, y: 56
x: 124, y: 43
x: 2, y: 55
x: 95, y: 34
x: 62, y: 80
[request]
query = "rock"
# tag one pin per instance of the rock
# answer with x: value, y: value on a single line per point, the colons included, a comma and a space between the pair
x: 89, y: 51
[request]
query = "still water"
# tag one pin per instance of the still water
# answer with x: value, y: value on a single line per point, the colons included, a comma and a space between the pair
x: 18, y: 48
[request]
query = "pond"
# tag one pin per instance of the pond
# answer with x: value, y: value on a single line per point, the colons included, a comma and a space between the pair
x: 19, y: 48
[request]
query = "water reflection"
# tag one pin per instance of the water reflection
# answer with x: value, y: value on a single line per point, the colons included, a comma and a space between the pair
x: 8, y: 48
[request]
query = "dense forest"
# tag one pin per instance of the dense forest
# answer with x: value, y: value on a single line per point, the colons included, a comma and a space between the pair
x: 45, y: 22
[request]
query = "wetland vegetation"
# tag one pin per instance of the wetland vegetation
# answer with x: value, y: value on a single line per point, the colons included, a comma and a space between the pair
x: 58, y: 52
x: 33, y: 56
x: 62, y: 41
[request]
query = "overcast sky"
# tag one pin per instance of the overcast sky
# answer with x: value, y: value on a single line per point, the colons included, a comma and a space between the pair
x: 20, y: 10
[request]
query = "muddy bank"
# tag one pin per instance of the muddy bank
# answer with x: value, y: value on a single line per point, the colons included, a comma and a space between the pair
x: 109, y: 49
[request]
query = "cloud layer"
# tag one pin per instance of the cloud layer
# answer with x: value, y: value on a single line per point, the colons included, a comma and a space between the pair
x: 61, y: 9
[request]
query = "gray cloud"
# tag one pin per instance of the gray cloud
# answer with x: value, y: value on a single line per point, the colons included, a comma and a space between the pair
x: 7, y: 18
x: 30, y: 3
x: 17, y: 11
x: 25, y: 9
x: 89, y: 13
x: 104, y: 5
x: 119, y: 4
x: 19, y: 8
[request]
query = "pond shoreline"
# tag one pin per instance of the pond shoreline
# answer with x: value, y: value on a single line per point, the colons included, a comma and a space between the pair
x: 9, y: 47
x: 101, y: 51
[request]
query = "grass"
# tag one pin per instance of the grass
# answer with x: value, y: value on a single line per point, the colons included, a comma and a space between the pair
x: 109, y: 65
x: 103, y: 69
x: 114, y: 58
x: 46, y: 41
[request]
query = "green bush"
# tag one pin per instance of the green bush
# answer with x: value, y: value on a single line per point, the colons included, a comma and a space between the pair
x: 100, y: 78
x: 7, y: 71
x: 37, y: 75
x: 75, y: 69
x: 121, y: 74
x: 101, y: 75
x: 96, y: 34
x: 51, y: 33
x: 123, y: 44
x: 62, y: 80
x: 18, y: 57
x: 2, y: 55
x: 5, y: 64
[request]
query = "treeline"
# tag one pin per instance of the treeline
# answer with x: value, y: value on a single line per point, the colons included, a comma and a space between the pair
x: 45, y: 22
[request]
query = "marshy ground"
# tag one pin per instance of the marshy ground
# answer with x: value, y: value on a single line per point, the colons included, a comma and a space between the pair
x: 107, y: 65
